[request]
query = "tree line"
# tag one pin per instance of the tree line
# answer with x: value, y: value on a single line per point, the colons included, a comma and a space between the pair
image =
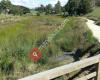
x: 72, y: 7
x: 7, y: 7
x: 49, y: 9
x: 79, y: 7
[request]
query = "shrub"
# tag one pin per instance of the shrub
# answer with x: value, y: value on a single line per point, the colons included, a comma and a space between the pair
x: 38, y: 14
x: 7, y: 66
x: 98, y: 22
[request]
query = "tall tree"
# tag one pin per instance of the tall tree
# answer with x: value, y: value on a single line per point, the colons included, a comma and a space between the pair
x: 85, y: 6
x: 58, y: 7
x: 49, y: 9
x: 40, y: 9
x: 77, y: 7
x: 5, y: 6
x: 72, y: 7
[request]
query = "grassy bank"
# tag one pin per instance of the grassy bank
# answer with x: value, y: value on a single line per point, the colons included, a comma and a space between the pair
x: 95, y: 15
x: 18, y: 39
x: 74, y: 35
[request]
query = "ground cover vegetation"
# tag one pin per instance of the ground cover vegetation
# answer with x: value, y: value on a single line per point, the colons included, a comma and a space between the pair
x: 20, y: 33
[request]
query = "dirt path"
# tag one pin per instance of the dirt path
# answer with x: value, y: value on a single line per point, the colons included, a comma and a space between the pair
x: 94, y: 28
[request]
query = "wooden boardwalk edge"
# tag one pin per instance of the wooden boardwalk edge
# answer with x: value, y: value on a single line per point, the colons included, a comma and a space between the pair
x: 62, y: 70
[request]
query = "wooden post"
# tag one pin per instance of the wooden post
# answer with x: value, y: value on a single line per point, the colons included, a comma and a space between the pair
x: 98, y: 70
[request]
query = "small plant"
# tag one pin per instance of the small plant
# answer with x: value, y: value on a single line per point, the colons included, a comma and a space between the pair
x: 7, y: 66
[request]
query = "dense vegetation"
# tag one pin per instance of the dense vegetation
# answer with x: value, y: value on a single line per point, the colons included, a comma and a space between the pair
x: 97, y: 2
x: 49, y: 9
x: 95, y: 15
x: 8, y: 8
x: 73, y: 7
x: 79, y: 7
x: 17, y: 40
x: 20, y: 34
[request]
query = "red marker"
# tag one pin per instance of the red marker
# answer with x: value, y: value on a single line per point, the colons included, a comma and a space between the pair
x: 35, y: 55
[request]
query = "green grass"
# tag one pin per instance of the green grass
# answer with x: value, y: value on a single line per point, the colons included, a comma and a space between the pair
x: 18, y: 39
x: 71, y: 37
x: 95, y: 15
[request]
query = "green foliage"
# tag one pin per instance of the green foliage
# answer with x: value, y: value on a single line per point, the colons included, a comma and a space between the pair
x: 38, y: 14
x: 85, y: 6
x: 40, y: 9
x: 98, y: 22
x: 18, y: 39
x: 4, y: 5
x: 65, y: 14
x: 72, y: 36
x: 48, y: 9
x: 79, y: 7
x: 97, y: 2
x: 18, y: 10
x: 7, y: 8
x: 59, y: 78
x: 44, y: 59
x: 45, y: 9
x: 95, y: 15
x: 6, y: 65
x: 58, y: 8
x: 71, y: 7
x: 40, y: 40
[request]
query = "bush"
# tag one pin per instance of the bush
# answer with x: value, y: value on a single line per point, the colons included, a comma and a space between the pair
x: 44, y: 59
x: 7, y: 66
x: 38, y: 14
x: 98, y: 22
x: 65, y: 14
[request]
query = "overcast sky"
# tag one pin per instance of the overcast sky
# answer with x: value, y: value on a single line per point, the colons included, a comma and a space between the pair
x: 35, y: 3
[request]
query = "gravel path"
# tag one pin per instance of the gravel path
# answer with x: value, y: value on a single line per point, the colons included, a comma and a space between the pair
x: 94, y: 28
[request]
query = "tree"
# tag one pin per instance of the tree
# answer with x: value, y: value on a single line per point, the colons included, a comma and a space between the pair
x: 97, y: 2
x: 71, y: 7
x: 40, y: 9
x: 78, y: 7
x: 58, y: 8
x: 0, y: 8
x: 7, y: 7
x: 25, y: 10
x: 19, y: 10
x: 49, y: 9
x: 85, y: 6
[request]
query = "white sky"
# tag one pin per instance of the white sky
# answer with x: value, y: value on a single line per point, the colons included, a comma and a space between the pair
x: 35, y: 3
